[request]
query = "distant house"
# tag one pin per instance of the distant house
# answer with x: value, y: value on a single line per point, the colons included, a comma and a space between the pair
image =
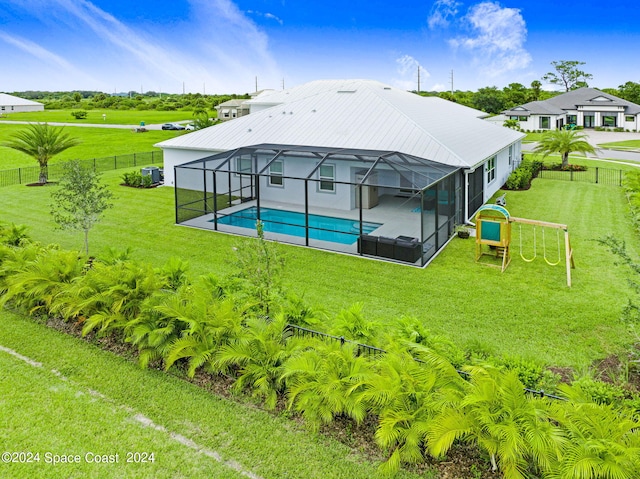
x: 585, y: 107
x: 354, y: 166
x: 15, y: 104
x: 232, y: 109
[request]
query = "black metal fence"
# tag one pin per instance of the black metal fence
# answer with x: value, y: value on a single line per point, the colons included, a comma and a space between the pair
x: 363, y: 349
x: 31, y: 174
x: 604, y: 176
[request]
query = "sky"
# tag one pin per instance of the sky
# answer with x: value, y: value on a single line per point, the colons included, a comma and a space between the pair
x: 225, y: 46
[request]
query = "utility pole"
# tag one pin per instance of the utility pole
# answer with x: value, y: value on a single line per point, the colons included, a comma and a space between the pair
x: 183, y: 88
x: 451, y: 82
x: 418, y: 79
x: 256, y: 83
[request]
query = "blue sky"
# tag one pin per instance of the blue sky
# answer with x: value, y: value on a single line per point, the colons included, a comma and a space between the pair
x: 222, y: 46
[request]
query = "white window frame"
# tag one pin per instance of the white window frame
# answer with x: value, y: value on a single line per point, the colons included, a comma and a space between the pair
x: 324, y: 178
x: 510, y: 155
x: 276, y: 178
x: 490, y: 168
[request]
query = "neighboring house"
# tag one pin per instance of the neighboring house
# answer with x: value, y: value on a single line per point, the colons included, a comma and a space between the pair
x: 232, y: 109
x: 584, y: 107
x: 400, y: 170
x: 14, y: 104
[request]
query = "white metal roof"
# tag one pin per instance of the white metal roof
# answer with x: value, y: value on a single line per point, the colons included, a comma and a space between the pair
x: 359, y: 114
x: 10, y: 100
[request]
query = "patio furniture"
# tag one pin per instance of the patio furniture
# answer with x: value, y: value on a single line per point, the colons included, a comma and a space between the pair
x: 368, y: 244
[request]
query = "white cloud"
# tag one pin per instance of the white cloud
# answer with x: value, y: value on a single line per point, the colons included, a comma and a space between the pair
x: 269, y: 16
x: 442, y: 12
x: 407, y: 68
x: 497, y: 39
x: 218, y: 45
x: 56, y: 61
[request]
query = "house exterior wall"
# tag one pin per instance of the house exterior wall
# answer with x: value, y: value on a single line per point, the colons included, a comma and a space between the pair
x: 175, y: 157
x: 505, y: 163
x: 6, y: 109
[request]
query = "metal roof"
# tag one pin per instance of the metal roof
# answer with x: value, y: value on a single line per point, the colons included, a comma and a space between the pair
x: 360, y: 114
x: 10, y: 100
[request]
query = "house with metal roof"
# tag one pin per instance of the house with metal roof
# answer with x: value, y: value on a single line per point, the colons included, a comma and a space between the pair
x: 15, y: 104
x: 232, y: 109
x: 354, y: 166
x: 584, y: 107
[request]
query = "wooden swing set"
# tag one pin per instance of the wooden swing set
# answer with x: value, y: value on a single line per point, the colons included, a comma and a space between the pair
x: 493, y: 229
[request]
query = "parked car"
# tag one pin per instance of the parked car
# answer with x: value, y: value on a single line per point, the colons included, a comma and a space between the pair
x: 190, y: 126
x: 172, y: 126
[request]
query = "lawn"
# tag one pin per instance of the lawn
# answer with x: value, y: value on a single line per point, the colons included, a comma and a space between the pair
x: 527, y: 310
x: 96, y: 143
x: 111, y: 117
x: 629, y: 145
x: 62, y: 396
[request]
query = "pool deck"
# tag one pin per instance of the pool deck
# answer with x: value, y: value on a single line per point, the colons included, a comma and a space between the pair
x: 396, y: 214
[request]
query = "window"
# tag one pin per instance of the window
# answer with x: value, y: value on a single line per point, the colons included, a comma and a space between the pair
x: 490, y: 168
x: 629, y: 118
x: 572, y: 119
x: 609, y: 120
x: 327, y: 176
x: 514, y: 117
x: 522, y: 118
x: 244, y: 164
x: 276, y: 169
x: 510, y: 154
x: 545, y: 121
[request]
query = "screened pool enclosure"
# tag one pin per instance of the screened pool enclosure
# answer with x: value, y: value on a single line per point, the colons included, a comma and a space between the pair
x: 381, y: 204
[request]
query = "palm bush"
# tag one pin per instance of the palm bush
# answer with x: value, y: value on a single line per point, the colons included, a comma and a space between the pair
x: 211, y: 322
x: 38, y: 276
x: 515, y: 430
x: 258, y: 356
x: 602, y: 441
x: 325, y: 380
x: 407, y: 395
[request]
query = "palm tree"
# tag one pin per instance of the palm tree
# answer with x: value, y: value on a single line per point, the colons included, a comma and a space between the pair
x: 563, y: 142
x: 42, y: 142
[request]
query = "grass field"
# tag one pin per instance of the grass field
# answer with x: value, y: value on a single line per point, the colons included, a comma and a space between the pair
x: 96, y: 143
x: 113, y: 117
x: 62, y: 396
x: 527, y: 310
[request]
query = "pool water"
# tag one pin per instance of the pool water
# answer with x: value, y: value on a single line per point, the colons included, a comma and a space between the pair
x: 325, y: 228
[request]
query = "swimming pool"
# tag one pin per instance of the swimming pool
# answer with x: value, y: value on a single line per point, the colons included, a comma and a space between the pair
x: 325, y: 228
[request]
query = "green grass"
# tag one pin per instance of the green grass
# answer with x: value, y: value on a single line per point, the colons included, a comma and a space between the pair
x: 84, y: 400
x: 631, y: 145
x: 96, y: 143
x: 113, y: 117
x: 527, y: 310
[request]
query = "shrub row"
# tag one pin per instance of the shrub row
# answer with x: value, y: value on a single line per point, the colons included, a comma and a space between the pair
x: 238, y: 326
x: 521, y: 177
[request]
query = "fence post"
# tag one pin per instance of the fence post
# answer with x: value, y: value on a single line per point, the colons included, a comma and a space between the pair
x: 19, y: 176
x: 620, y: 182
x: 115, y: 162
x: 571, y: 175
x: 134, y: 160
